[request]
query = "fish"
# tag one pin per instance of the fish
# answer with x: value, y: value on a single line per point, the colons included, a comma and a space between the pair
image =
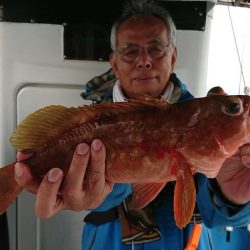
x: 148, y: 141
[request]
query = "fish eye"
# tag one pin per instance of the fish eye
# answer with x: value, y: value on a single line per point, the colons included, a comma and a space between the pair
x: 232, y: 106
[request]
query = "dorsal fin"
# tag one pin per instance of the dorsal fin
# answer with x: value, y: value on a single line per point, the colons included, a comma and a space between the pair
x: 47, y: 124
x: 42, y: 126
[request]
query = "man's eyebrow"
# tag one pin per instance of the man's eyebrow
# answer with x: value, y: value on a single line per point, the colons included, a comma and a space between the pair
x: 155, y: 41
x: 128, y: 44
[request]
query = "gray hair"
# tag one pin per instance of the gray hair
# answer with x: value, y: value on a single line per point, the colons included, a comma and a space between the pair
x: 141, y: 8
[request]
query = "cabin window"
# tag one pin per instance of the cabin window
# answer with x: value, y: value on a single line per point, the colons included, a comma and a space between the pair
x: 87, y: 41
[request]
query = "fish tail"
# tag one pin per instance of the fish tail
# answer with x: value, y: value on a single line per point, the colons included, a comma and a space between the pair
x: 9, y: 189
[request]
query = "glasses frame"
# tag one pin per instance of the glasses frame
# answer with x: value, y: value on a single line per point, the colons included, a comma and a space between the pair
x: 120, y: 51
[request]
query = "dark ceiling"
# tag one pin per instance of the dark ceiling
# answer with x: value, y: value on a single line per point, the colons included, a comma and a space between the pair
x: 186, y: 14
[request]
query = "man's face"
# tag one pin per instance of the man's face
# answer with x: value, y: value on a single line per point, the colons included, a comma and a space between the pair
x: 147, y: 73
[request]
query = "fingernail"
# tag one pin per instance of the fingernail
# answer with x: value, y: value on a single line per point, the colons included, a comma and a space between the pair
x: 82, y: 149
x: 54, y: 175
x: 96, y: 145
x: 18, y: 170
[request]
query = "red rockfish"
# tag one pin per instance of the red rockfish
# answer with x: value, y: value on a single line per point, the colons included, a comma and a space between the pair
x: 149, y: 143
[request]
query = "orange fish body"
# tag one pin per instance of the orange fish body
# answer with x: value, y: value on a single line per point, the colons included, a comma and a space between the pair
x: 148, y: 143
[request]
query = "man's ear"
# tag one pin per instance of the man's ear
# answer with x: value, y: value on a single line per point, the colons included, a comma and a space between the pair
x: 174, y: 57
x: 113, y: 62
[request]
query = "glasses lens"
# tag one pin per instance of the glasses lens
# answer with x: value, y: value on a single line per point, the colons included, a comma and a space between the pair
x: 129, y: 54
x: 156, y: 51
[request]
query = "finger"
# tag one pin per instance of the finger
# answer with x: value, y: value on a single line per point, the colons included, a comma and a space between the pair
x: 96, y: 170
x: 98, y: 162
x: 47, y: 201
x: 74, y: 179
x: 24, y: 178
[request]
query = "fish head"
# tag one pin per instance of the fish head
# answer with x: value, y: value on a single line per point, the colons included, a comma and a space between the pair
x: 218, y: 126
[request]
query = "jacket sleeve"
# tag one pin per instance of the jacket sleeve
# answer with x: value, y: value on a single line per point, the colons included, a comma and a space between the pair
x: 118, y: 194
x: 215, y: 210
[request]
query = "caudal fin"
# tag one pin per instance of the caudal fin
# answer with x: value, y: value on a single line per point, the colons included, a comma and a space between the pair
x: 9, y: 189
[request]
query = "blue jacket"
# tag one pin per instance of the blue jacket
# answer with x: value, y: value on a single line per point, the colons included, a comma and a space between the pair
x: 215, y: 212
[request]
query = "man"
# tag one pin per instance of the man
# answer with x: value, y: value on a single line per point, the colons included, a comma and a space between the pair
x: 143, y: 59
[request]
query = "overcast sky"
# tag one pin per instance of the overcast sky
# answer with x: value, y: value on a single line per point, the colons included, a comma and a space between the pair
x: 224, y: 65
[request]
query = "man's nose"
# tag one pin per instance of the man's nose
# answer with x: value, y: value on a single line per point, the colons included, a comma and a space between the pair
x: 144, y: 60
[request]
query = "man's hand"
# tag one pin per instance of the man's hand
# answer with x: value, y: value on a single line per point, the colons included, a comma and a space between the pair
x: 84, y: 185
x: 234, y: 176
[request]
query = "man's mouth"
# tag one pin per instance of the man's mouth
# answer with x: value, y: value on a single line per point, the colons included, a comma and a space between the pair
x: 144, y: 78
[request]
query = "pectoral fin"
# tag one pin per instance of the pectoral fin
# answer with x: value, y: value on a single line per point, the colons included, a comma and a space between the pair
x: 184, y: 195
x: 143, y: 194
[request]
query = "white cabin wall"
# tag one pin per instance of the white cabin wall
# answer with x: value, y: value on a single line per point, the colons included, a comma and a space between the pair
x: 33, y: 54
x: 192, y: 57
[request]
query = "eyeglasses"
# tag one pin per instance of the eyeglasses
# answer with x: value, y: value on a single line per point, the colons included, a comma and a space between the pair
x: 131, y: 52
